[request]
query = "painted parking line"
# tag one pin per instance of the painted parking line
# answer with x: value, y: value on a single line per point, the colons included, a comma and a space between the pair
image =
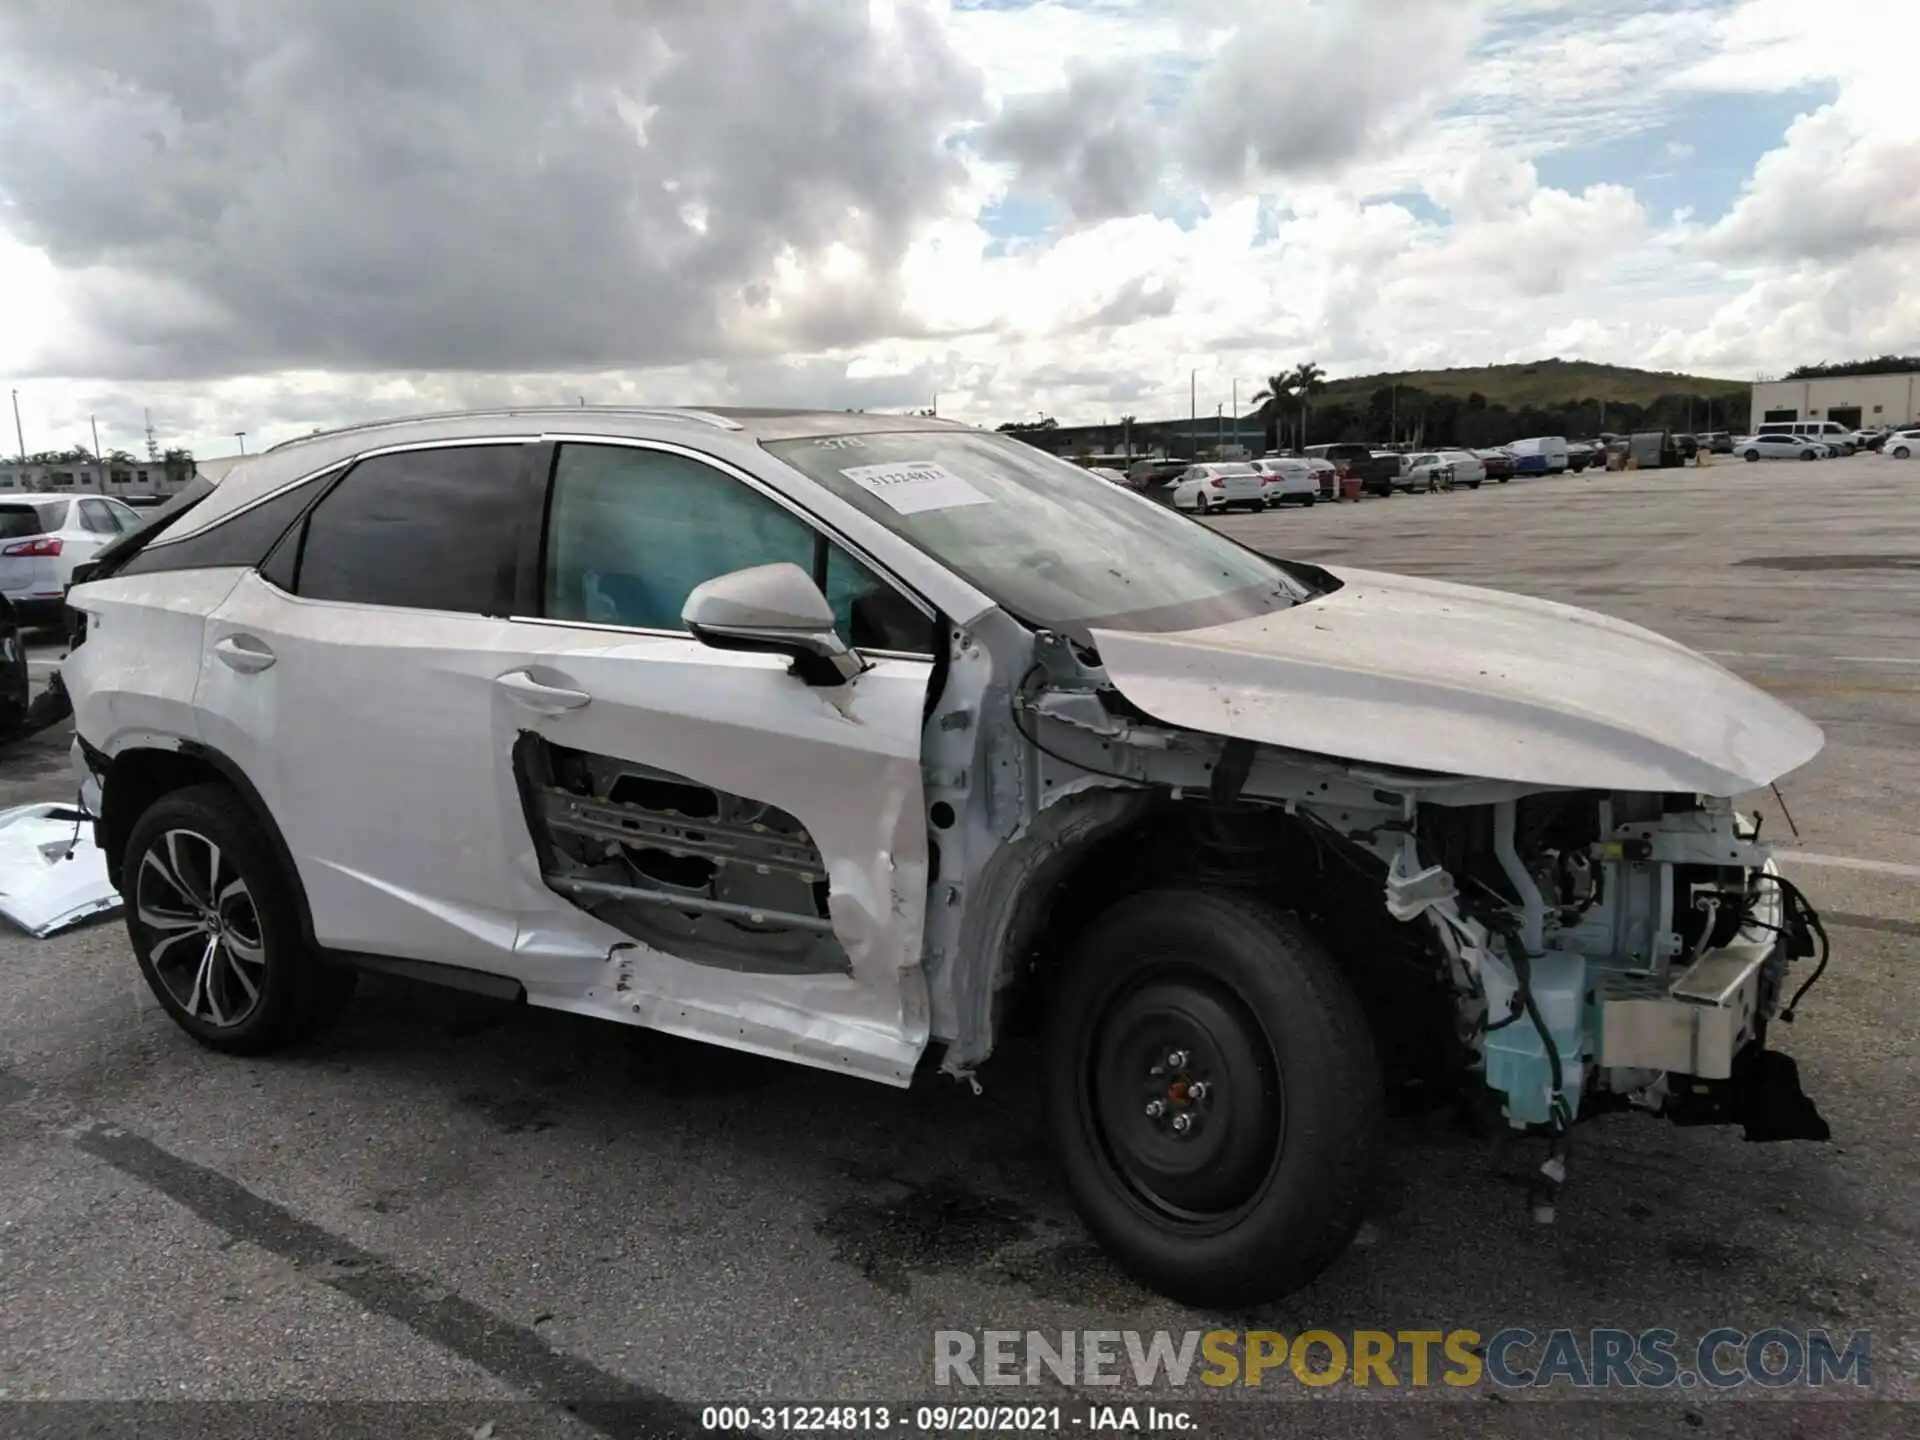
x: 1907, y: 661
x: 1848, y: 862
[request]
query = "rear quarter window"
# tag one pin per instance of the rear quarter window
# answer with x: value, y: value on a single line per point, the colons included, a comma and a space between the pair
x: 19, y: 521
x: 242, y: 538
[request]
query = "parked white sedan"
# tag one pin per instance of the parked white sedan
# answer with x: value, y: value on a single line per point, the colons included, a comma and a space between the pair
x: 1443, y: 469
x: 42, y: 537
x: 1468, y: 468
x: 1423, y: 473
x: 1902, y: 444
x: 1220, y: 486
x: 1284, y: 479
x: 1779, y: 447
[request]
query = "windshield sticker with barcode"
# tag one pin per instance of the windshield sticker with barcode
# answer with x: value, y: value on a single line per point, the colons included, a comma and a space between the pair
x: 911, y: 487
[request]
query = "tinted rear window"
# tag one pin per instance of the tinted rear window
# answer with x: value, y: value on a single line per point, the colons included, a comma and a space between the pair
x: 18, y: 521
x: 430, y: 529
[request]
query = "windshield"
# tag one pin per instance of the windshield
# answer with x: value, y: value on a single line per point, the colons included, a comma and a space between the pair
x: 1048, y: 542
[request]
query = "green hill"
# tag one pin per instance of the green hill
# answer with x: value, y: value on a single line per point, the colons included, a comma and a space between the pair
x: 1539, y: 384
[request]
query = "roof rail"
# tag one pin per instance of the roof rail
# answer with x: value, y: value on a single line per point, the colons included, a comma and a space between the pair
x: 661, y: 412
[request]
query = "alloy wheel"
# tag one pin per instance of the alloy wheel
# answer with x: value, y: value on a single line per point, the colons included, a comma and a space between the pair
x: 205, y: 940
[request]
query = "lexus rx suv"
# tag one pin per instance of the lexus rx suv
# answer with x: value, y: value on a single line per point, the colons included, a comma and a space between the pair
x: 840, y: 738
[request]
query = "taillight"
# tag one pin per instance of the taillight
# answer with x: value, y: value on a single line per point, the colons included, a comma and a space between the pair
x: 39, y: 545
x: 1219, y: 482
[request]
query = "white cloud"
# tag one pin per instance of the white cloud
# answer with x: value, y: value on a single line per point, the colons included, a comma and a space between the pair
x: 1357, y: 183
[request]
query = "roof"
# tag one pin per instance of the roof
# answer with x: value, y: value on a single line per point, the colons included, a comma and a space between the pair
x: 759, y: 423
x: 213, y: 468
x: 254, y: 477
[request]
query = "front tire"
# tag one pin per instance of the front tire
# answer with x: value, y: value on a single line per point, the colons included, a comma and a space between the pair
x: 216, y: 930
x: 1903, y: 453
x: 1215, y: 1096
x: 1750, y: 456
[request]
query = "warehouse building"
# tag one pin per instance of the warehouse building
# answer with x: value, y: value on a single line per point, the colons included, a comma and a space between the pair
x: 1860, y: 402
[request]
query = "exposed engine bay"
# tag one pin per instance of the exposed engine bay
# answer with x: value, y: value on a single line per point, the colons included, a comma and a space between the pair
x: 1545, y: 954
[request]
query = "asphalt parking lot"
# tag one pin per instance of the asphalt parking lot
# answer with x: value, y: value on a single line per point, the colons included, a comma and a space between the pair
x: 452, y: 1200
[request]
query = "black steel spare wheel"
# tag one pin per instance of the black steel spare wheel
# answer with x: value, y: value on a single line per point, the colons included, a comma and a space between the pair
x: 1215, y: 1094
x: 1185, y: 1097
x: 215, y: 928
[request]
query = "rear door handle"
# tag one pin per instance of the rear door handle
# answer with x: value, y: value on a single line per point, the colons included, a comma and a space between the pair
x: 540, y: 698
x: 243, y: 653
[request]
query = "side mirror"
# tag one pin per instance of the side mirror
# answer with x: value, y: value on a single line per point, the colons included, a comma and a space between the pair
x: 775, y: 610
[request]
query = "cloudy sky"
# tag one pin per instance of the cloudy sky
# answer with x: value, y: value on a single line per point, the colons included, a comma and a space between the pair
x: 267, y: 215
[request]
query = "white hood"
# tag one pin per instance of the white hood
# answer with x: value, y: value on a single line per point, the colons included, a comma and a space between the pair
x: 1425, y: 675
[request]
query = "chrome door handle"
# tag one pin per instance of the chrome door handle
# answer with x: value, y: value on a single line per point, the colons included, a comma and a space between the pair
x: 540, y: 698
x: 243, y: 653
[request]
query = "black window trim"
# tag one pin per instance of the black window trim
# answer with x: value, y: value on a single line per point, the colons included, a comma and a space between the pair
x: 296, y: 533
x: 168, y: 537
x: 530, y: 593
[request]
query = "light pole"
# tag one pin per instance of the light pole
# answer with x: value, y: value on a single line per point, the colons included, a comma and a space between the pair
x: 1236, y: 414
x: 18, y: 433
x: 1219, y: 430
x: 1193, y: 414
x: 241, y: 436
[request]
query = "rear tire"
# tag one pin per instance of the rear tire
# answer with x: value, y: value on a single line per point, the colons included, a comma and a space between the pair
x: 216, y: 929
x: 1236, y: 1194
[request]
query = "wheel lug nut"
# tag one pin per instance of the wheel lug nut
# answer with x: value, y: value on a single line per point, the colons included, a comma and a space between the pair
x: 1182, y: 1123
x: 1177, y: 1060
x: 1156, y: 1108
x: 1197, y: 1090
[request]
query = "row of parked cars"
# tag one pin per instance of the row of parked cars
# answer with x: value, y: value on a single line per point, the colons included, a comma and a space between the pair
x: 1322, y: 472
x: 1821, y: 439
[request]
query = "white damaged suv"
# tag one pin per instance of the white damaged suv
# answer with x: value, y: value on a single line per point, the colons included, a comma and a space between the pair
x: 835, y: 737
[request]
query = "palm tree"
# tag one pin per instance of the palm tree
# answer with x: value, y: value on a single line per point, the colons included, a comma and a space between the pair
x: 1126, y: 434
x: 1270, y: 400
x: 1306, y: 381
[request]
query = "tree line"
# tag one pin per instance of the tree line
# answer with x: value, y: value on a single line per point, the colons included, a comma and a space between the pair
x: 176, y: 462
x: 1882, y: 365
x: 1294, y: 414
x: 1407, y: 413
